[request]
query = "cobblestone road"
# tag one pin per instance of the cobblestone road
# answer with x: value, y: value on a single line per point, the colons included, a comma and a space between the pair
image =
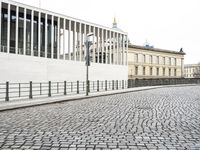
x: 165, y: 118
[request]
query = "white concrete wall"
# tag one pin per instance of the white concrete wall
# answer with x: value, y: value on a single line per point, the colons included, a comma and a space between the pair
x: 20, y: 68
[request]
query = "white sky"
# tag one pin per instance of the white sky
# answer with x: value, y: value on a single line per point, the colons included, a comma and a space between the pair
x: 166, y: 24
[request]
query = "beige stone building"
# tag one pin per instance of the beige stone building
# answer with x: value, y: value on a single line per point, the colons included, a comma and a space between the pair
x: 192, y: 70
x: 149, y: 62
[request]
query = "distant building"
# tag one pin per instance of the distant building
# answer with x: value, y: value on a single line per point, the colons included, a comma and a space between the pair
x: 149, y: 62
x: 40, y: 45
x: 192, y: 71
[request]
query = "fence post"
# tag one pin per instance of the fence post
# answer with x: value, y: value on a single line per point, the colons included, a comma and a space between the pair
x: 106, y: 85
x: 40, y: 88
x: 49, y: 89
x: 88, y: 86
x: 30, y: 90
x: 97, y: 85
x: 7, y: 91
x: 19, y: 89
x: 77, y: 87
x: 113, y: 84
x: 65, y: 88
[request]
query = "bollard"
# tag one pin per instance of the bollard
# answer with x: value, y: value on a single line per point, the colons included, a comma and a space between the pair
x: 77, y: 87
x: 113, y: 84
x: 19, y: 89
x: 97, y: 85
x: 88, y: 86
x: 30, y: 90
x: 65, y: 88
x: 106, y: 85
x: 49, y: 94
x: 7, y: 91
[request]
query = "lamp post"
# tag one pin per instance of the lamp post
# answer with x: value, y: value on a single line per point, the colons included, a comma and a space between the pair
x: 87, y: 60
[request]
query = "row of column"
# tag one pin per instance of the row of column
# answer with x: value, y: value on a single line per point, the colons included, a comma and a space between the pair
x: 108, y: 46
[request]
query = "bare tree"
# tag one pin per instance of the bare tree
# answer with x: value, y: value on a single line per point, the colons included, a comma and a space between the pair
x: 197, y: 71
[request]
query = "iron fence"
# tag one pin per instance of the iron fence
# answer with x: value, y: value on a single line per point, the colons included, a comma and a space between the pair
x: 11, y: 91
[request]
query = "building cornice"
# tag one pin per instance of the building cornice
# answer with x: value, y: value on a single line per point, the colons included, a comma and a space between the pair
x: 155, y: 49
x: 60, y: 15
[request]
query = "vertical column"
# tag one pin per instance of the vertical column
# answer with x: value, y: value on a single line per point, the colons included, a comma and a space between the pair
x: 114, y: 45
x: 89, y: 31
x: 80, y: 41
x: 120, y: 49
x: 32, y: 32
x: 39, y: 33
x: 94, y: 46
x: 45, y: 46
x: 123, y: 49
x: 102, y: 46
x: 52, y: 36
x: 64, y: 27
x: 24, y: 46
x: 16, y: 30
x: 97, y: 45
x: 106, y: 45
x: 110, y: 47
x: 58, y: 39
x: 69, y: 37
x: 126, y: 50
x: 117, y: 49
x: 85, y: 36
x: 74, y: 42
x: 8, y: 30
x: 0, y: 24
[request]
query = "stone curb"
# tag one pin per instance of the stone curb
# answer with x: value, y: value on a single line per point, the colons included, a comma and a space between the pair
x: 44, y: 101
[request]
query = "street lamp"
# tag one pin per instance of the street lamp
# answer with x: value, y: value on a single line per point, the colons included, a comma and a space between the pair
x: 87, y: 59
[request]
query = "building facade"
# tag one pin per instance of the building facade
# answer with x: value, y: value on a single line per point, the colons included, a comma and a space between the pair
x: 40, y: 45
x: 148, y: 62
x: 192, y: 71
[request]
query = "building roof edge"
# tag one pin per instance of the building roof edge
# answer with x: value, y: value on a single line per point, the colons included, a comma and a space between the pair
x: 155, y: 49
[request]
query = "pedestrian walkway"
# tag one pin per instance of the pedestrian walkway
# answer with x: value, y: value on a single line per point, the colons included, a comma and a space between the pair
x: 14, y: 104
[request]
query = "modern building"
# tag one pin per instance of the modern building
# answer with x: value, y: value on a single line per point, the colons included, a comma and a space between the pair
x: 192, y: 71
x: 40, y: 45
x: 149, y: 62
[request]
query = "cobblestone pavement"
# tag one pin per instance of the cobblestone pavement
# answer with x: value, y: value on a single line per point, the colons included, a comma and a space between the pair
x: 165, y: 118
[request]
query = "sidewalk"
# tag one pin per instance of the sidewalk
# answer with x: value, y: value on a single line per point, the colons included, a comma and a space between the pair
x: 15, y: 104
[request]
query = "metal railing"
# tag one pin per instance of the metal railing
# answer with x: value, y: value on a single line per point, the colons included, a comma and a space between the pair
x: 13, y: 91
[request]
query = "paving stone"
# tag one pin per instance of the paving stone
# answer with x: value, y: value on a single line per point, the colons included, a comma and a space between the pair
x: 165, y: 118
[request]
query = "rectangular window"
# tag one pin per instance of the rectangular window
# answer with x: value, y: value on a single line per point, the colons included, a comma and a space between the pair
x: 157, y: 59
x: 169, y: 72
x: 163, y: 71
x: 157, y: 71
x: 136, y: 70
x: 144, y: 72
x: 163, y: 60
x: 175, y: 72
x: 151, y: 71
x: 136, y: 58
x: 150, y: 59
x: 170, y: 61
x: 175, y: 61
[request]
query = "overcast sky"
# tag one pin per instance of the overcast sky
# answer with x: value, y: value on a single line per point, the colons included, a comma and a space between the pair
x: 165, y: 24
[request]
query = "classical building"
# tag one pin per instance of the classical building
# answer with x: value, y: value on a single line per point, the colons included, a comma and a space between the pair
x: 40, y: 45
x: 192, y: 71
x: 149, y: 62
